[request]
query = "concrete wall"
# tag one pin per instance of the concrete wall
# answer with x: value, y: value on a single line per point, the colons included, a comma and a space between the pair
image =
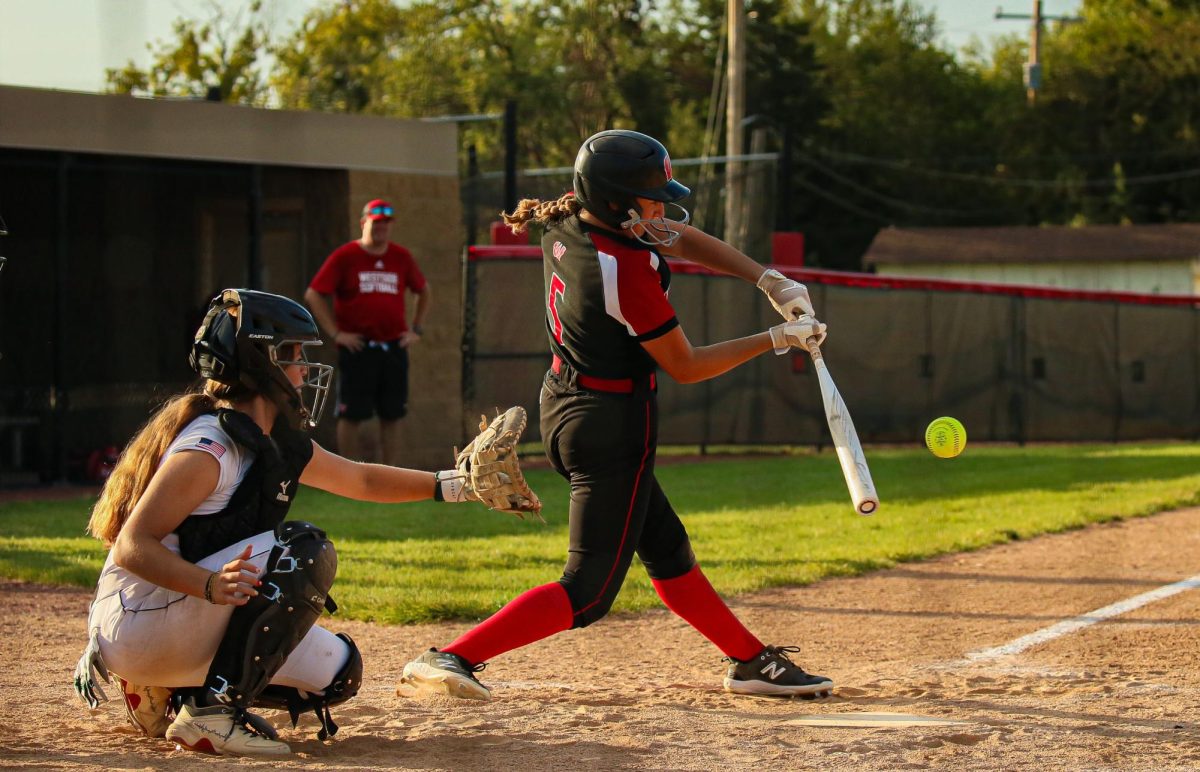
x: 109, y: 124
x: 145, y: 205
x: 1166, y: 277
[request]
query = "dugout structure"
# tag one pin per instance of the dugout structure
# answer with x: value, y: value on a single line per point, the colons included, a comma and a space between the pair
x: 126, y: 215
x: 1014, y: 363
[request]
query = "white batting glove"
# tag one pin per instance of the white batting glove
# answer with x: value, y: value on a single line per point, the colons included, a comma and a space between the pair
x: 796, y: 334
x: 790, y: 298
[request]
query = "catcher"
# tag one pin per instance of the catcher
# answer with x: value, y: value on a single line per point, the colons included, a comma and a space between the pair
x: 609, y: 324
x: 207, y: 602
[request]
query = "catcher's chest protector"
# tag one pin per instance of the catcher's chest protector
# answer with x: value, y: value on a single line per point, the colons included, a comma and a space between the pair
x: 264, y: 496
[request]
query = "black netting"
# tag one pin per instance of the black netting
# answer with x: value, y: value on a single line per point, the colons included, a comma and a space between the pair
x: 1011, y: 368
x: 1158, y: 372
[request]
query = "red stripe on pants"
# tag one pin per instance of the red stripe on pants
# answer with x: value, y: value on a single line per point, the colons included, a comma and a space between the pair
x: 637, y: 483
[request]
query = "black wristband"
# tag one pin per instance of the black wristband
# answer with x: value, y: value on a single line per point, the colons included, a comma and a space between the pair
x: 418, y: 329
x: 437, y: 488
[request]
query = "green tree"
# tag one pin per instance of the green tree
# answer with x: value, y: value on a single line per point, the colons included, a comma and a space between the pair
x: 1111, y: 137
x: 220, y: 54
x: 897, y: 101
x: 573, y: 67
x: 340, y: 58
x: 1122, y: 87
x: 887, y: 126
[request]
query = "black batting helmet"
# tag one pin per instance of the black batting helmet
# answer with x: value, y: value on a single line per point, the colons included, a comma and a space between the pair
x: 248, y: 338
x: 615, y: 167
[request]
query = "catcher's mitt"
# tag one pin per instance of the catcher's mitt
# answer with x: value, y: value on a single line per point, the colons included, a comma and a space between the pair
x: 490, y: 470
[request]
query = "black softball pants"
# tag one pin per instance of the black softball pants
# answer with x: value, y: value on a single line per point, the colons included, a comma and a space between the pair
x: 604, y: 445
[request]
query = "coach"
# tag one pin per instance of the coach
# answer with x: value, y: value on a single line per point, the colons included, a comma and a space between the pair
x: 367, y: 279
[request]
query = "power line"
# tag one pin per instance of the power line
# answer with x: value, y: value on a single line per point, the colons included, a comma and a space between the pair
x: 906, y: 205
x: 1143, y: 179
x: 843, y: 203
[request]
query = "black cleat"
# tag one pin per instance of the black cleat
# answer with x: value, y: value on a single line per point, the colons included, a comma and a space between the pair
x: 445, y: 673
x: 773, y: 673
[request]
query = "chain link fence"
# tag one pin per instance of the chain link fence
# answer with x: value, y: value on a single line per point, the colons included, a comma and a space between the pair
x: 1013, y: 366
x: 754, y: 178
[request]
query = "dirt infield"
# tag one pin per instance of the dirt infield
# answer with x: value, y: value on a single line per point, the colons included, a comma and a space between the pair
x: 643, y: 692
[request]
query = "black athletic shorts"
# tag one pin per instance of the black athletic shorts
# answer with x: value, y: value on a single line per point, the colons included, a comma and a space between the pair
x: 373, y: 380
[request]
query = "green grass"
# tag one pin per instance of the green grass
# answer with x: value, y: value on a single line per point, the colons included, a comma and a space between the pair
x: 754, y: 522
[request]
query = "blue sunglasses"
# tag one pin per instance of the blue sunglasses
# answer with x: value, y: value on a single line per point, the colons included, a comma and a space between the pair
x: 386, y: 211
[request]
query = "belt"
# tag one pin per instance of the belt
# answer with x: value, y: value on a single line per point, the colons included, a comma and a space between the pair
x: 383, y: 344
x: 614, y: 385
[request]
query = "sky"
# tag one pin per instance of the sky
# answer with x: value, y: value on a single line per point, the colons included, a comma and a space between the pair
x: 68, y: 44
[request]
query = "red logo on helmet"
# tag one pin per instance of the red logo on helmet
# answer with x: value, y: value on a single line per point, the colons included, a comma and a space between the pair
x: 667, y: 166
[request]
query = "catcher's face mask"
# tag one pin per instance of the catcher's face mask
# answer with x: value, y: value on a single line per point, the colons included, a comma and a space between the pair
x: 312, y: 386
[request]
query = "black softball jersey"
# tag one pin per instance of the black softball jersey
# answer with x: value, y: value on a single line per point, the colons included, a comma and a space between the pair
x: 605, y: 296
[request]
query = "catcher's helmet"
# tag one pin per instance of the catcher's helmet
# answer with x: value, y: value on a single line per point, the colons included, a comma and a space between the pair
x: 249, y: 337
x: 615, y: 167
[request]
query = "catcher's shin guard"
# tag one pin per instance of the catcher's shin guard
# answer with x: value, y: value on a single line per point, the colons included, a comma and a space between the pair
x: 266, y: 629
x: 344, y: 686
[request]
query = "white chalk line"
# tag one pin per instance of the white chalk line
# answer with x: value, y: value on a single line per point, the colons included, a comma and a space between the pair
x: 1068, y: 626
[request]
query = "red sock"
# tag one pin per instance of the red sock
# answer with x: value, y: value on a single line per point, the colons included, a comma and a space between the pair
x: 691, y: 597
x: 531, y: 616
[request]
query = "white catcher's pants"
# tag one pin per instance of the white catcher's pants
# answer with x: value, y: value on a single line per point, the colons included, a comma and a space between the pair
x: 152, y: 636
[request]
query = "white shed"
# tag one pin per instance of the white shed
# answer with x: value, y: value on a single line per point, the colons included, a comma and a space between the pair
x: 1154, y: 259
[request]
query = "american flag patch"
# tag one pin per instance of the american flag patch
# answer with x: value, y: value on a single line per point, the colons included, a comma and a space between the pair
x: 212, y: 446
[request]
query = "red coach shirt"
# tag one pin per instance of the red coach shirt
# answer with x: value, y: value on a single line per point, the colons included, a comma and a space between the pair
x: 368, y: 290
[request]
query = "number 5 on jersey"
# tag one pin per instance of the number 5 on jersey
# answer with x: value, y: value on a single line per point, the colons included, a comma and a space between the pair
x: 557, y: 288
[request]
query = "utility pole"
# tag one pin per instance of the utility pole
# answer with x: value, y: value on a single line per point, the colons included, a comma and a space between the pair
x: 735, y: 110
x: 1033, y: 67
x: 510, y: 155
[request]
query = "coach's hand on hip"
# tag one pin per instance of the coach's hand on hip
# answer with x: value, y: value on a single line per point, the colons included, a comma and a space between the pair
x: 351, y: 341
x: 409, y: 337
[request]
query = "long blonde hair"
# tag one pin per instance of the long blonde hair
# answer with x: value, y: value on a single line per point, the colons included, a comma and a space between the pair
x: 139, y: 461
x: 541, y: 212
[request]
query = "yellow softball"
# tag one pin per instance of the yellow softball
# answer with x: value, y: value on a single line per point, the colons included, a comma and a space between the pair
x: 945, y: 437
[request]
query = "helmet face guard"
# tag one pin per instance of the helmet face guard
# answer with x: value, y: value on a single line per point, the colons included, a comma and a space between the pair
x: 658, y: 232
x: 614, y: 169
x: 251, y: 338
x: 313, y: 390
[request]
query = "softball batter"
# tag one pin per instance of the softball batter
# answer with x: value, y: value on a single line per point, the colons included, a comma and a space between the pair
x: 610, y: 325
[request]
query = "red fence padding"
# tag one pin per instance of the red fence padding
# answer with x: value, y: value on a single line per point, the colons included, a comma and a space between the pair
x: 875, y: 281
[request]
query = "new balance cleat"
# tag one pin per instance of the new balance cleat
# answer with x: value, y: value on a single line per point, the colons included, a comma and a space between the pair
x: 441, y: 672
x: 147, y: 707
x: 773, y: 673
x: 221, y: 731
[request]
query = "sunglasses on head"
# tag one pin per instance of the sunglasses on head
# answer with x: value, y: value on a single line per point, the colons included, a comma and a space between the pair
x: 386, y: 211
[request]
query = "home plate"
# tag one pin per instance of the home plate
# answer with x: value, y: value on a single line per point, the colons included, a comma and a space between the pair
x: 867, y: 720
